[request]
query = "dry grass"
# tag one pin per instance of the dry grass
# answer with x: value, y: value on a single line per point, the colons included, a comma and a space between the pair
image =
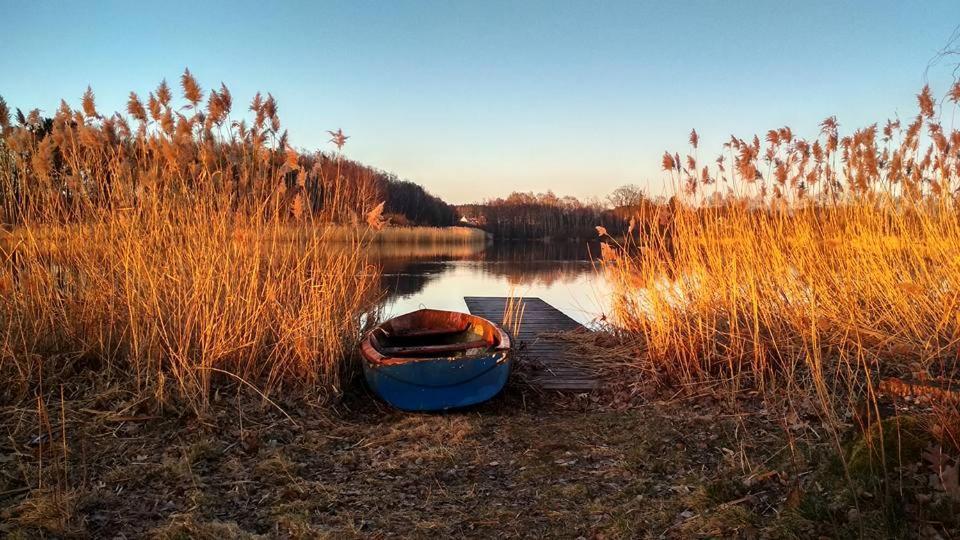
x: 173, y: 300
x: 843, y: 261
x: 50, y: 510
x: 834, y: 272
x: 513, y: 313
x: 777, y: 294
x: 163, y: 255
x: 555, y: 468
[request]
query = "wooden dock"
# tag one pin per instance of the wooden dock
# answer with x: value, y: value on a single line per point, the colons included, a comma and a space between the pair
x: 556, y: 371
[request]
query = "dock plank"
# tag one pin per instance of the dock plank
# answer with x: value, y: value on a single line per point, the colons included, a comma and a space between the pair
x: 539, y: 317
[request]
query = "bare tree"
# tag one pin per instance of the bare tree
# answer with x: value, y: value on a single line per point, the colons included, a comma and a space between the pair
x: 949, y: 54
x: 627, y: 195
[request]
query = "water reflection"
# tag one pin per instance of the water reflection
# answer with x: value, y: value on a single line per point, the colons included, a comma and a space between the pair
x: 560, y: 273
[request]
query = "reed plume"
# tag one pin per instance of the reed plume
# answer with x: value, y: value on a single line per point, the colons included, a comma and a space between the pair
x: 191, y: 89
x: 89, y: 107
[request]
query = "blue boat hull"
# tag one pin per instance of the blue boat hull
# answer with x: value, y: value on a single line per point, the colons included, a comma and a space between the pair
x: 439, y: 384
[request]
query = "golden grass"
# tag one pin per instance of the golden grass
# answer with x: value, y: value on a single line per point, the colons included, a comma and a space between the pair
x: 838, y: 268
x: 175, y: 299
x: 776, y: 293
x: 513, y: 312
x: 52, y: 510
x: 824, y: 293
x: 162, y: 256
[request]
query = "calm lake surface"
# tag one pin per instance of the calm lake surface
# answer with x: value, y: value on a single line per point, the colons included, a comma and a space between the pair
x: 558, y: 272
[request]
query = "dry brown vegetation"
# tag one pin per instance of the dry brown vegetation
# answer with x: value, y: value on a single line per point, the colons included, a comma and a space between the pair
x: 175, y: 253
x: 173, y: 300
x: 815, y: 282
x: 517, y: 466
x: 848, y: 264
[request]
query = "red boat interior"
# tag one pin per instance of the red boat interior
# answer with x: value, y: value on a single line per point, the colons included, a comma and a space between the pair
x: 428, y: 333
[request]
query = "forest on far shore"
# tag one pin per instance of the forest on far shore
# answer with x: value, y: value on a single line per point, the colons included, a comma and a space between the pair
x: 541, y: 216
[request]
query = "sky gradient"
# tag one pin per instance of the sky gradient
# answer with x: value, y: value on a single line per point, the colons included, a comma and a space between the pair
x: 477, y: 99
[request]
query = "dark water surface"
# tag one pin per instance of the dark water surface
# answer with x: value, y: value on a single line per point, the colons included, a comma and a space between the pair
x: 560, y: 273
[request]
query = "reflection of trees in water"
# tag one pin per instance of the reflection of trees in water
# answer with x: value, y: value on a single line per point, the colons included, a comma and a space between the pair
x: 395, y: 285
x: 539, y: 263
x: 405, y: 278
x: 407, y: 270
x: 537, y: 272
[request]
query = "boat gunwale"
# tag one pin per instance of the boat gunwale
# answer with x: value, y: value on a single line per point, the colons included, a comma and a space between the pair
x: 374, y: 356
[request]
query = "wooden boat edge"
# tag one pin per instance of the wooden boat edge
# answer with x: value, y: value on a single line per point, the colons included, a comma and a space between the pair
x: 373, y: 356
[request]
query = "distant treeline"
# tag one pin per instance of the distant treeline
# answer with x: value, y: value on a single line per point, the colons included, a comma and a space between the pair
x: 79, y: 161
x: 408, y: 203
x: 405, y: 202
x: 547, y: 216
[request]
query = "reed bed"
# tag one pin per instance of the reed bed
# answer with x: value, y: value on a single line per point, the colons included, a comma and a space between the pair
x: 776, y: 293
x: 834, y: 270
x: 161, y: 258
x: 174, y: 302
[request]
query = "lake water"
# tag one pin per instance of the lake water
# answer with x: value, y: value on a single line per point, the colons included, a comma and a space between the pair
x: 560, y: 273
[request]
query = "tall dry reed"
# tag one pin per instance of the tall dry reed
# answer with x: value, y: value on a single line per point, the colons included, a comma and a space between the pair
x: 776, y: 292
x: 161, y: 258
x: 820, y: 265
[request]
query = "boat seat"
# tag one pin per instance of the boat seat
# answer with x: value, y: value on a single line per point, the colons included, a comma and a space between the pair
x: 427, y: 332
x: 428, y: 350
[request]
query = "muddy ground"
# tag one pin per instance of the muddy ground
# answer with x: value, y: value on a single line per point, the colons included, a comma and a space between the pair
x: 526, y: 464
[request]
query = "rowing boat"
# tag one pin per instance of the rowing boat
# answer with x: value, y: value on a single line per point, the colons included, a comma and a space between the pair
x: 431, y: 360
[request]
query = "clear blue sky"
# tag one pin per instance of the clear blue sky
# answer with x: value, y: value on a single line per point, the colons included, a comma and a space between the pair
x: 476, y: 99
